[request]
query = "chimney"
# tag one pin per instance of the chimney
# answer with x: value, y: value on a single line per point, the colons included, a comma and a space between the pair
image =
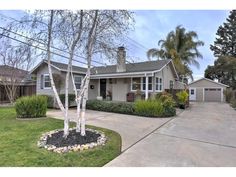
x: 121, y: 59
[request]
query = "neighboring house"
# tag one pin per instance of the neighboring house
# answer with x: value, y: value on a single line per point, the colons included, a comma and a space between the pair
x: 20, y: 79
x: 114, y: 81
x: 207, y: 90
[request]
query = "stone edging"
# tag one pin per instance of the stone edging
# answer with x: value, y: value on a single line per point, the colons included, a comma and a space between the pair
x: 42, y: 142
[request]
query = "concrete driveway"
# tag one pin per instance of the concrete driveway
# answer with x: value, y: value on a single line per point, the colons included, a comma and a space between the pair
x: 204, y: 135
x: 131, y: 128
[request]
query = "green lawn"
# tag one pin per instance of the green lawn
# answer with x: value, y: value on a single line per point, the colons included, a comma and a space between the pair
x: 18, y: 144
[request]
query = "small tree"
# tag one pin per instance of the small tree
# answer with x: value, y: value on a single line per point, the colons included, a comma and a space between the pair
x: 17, y: 61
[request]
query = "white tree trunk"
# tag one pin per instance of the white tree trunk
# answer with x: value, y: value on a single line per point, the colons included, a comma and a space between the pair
x: 84, y: 100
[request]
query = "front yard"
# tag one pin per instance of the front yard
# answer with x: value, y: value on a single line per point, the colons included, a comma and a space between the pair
x: 19, y: 138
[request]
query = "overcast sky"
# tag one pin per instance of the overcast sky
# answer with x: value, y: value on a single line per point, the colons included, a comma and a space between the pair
x: 153, y: 25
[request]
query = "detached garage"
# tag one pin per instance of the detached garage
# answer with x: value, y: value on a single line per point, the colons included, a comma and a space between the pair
x: 206, y: 90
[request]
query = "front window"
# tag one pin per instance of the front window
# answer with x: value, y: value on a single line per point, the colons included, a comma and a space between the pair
x: 136, y: 83
x: 77, y: 80
x: 149, y: 83
x: 47, y: 83
x: 158, y: 84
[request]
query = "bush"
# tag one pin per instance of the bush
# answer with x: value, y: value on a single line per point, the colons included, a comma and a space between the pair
x: 31, y: 106
x: 228, y: 95
x: 182, y: 98
x: 155, y: 108
x: 50, y: 101
x: 109, y: 106
x: 233, y: 103
x: 163, y: 96
x: 71, y: 98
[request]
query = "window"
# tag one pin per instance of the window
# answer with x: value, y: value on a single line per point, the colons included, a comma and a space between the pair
x: 171, y: 84
x: 47, y: 83
x: 192, y: 92
x: 158, y: 84
x: 78, y: 80
x: 136, y: 83
x: 149, y: 84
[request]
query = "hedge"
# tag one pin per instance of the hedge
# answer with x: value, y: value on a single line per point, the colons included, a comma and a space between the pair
x: 110, y: 106
x: 149, y: 108
x: 31, y: 106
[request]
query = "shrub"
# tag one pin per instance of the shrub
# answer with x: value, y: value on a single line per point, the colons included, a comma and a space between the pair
x: 163, y: 96
x: 149, y: 108
x: 182, y: 98
x: 155, y: 108
x: 233, y: 103
x: 228, y: 95
x: 31, y: 106
x: 109, y: 106
x: 169, y: 107
x: 71, y: 98
x: 50, y: 101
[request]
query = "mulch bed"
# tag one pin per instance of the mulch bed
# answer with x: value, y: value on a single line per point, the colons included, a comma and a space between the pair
x: 72, y: 139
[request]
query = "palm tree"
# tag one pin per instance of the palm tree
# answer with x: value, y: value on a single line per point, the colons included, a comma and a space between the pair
x: 182, y: 48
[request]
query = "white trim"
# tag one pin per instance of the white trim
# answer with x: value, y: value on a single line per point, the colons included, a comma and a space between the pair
x: 156, y: 84
x: 195, y: 93
x: 141, y: 84
x: 46, y: 88
x: 209, y: 81
x: 222, y: 96
x: 203, y: 94
x: 146, y: 87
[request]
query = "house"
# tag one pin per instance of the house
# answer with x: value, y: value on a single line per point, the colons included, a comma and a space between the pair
x: 114, y: 81
x: 18, y: 79
x: 206, y: 90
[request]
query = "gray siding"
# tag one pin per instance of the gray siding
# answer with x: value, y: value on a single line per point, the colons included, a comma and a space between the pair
x: 120, y: 88
x: 43, y: 69
x: 93, y: 93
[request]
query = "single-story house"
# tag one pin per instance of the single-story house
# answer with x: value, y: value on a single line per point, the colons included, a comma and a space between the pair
x: 120, y: 82
x: 206, y: 90
x: 19, y: 79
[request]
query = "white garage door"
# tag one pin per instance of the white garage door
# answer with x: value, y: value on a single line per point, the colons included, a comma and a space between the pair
x: 212, y: 94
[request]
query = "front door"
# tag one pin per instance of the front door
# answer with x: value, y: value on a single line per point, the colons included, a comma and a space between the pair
x: 192, y: 94
x: 103, y: 84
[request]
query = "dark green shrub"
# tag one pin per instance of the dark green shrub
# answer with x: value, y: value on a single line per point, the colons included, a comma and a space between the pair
x: 109, y: 106
x: 50, y: 101
x: 31, y: 106
x: 233, y: 103
x: 228, y: 95
x: 71, y: 98
x: 168, y: 107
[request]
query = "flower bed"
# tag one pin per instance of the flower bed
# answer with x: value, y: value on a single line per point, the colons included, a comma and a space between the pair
x: 54, y: 141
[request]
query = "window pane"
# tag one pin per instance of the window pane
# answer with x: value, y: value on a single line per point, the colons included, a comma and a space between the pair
x: 78, y: 79
x: 136, y: 83
x: 150, y: 80
x: 47, y: 84
x: 149, y: 86
x: 160, y: 80
x: 144, y: 86
x: 160, y: 88
x: 77, y: 86
x: 46, y: 78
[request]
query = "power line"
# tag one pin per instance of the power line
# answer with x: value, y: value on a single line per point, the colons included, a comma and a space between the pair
x: 42, y: 40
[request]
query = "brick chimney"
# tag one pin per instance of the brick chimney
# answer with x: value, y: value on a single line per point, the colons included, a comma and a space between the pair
x: 121, y: 59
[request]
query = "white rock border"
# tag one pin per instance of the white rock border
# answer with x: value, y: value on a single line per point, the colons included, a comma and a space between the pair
x: 101, y: 140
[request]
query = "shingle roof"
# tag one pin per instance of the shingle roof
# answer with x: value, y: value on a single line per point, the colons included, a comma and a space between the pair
x: 8, y: 71
x: 132, y: 67
x: 63, y: 66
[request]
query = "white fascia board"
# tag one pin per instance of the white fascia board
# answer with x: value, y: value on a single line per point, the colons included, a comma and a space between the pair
x: 209, y: 81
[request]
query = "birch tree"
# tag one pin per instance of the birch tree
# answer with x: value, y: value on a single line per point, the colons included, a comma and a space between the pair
x: 103, y: 29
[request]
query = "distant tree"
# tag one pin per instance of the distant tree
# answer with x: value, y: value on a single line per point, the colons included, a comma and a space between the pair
x: 182, y: 48
x: 17, y: 60
x: 224, y: 70
x: 225, y: 43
